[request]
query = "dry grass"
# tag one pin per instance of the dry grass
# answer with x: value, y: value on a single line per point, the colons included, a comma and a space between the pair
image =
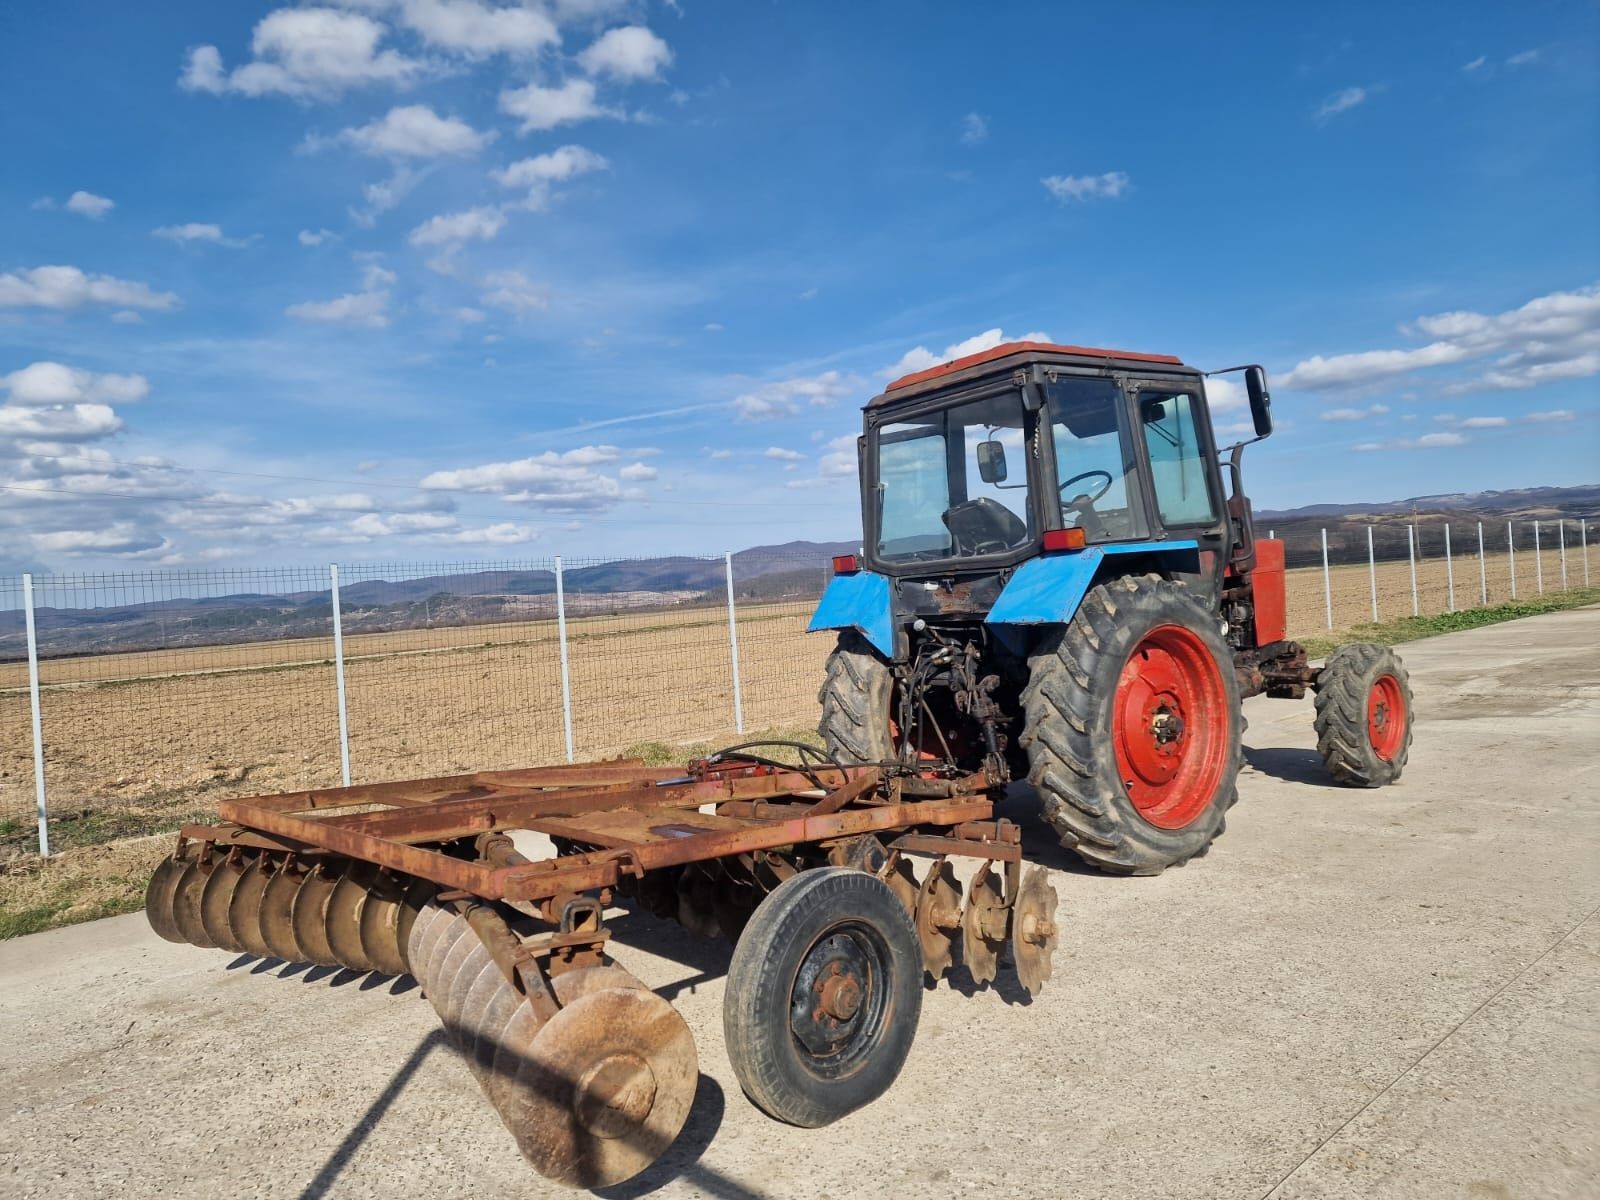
x: 81, y: 884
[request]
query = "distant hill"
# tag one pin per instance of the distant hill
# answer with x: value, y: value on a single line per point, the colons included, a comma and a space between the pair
x: 793, y: 570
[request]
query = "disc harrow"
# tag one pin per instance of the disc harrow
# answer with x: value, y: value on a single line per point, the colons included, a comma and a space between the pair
x: 591, y: 1072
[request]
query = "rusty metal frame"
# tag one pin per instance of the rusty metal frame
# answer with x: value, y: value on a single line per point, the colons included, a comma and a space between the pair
x: 611, y: 806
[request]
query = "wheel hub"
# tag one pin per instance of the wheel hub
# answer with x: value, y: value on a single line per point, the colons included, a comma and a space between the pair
x: 615, y: 1095
x: 1386, y: 717
x: 830, y: 998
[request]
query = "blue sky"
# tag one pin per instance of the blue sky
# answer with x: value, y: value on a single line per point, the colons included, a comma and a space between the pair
x: 447, y: 279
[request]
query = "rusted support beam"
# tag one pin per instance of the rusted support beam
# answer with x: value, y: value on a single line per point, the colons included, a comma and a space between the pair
x: 922, y: 843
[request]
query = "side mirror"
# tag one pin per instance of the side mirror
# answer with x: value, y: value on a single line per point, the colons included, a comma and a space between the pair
x: 991, y: 462
x: 1255, y: 386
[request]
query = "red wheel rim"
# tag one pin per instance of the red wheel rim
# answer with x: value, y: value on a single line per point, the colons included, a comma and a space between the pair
x: 1169, y: 726
x: 1386, y: 717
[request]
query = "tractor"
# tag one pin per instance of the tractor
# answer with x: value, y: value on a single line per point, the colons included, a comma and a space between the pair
x: 1059, y: 579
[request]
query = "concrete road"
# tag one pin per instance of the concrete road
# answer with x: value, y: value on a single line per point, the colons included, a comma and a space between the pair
x: 1374, y: 994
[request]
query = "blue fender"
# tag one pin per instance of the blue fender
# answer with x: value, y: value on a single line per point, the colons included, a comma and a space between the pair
x: 1048, y: 590
x: 861, y: 602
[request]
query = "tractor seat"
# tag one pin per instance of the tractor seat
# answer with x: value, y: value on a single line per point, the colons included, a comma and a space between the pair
x: 984, y: 526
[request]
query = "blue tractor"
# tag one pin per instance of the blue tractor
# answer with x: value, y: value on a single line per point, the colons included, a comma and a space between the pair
x: 1057, y: 582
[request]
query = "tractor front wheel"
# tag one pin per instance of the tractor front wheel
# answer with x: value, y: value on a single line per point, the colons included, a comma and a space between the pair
x: 855, y: 699
x: 1364, y: 715
x: 1132, y: 727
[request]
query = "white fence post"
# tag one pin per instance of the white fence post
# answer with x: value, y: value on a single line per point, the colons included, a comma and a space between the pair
x: 338, y: 674
x: 1511, y: 555
x: 1483, y: 569
x: 1538, y: 561
x: 1583, y: 532
x: 1372, y: 576
x: 733, y: 645
x: 1327, y: 584
x: 38, y: 726
x: 566, y: 677
x: 1449, y: 567
x: 1561, y: 532
x: 1411, y: 553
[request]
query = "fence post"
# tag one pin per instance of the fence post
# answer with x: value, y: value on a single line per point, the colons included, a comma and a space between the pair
x: 38, y: 726
x: 1538, y: 561
x: 1583, y: 532
x: 1372, y: 576
x: 338, y: 674
x: 1327, y: 584
x: 1483, y: 569
x: 733, y: 645
x: 1411, y: 553
x: 1449, y: 567
x: 566, y: 677
x: 1511, y: 555
x: 1561, y: 533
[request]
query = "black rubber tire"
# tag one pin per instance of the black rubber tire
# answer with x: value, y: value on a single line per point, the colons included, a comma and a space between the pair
x: 855, y: 700
x: 778, y: 1074
x: 1343, y: 688
x: 1067, y: 707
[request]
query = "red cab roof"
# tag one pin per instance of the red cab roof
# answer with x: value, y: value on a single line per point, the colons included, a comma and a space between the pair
x: 1001, y: 351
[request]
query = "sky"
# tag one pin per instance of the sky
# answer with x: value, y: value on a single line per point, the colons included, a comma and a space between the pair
x: 450, y: 280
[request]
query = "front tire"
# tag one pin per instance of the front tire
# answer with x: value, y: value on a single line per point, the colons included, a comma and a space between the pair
x: 855, y: 699
x: 823, y: 997
x: 1132, y: 727
x: 1363, y: 718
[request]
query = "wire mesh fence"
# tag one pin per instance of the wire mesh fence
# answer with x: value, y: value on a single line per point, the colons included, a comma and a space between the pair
x: 162, y: 692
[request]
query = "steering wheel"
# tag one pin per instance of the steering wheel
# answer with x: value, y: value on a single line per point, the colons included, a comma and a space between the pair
x: 1080, y: 500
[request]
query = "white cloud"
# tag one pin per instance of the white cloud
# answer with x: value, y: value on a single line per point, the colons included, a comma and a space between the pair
x: 196, y: 231
x: 376, y: 525
x: 415, y: 131
x: 513, y: 292
x: 1222, y: 394
x: 310, y: 237
x: 87, y: 204
x: 65, y: 288
x: 630, y: 52
x: 556, y: 482
x: 502, y: 533
x: 477, y: 30
x: 637, y: 473
x: 45, y: 383
x: 714, y: 327
x: 840, y: 459
x: 368, y: 310
x: 1484, y: 422
x: 1344, y: 414
x: 470, y: 316
x: 1554, y: 414
x: 1339, y: 102
x: 1523, y: 59
x: 538, y: 173
x: 122, y: 540
x: 1441, y: 439
x: 307, y: 53
x: 540, y: 108
x: 720, y: 453
x: 1427, y: 441
x: 783, y: 397
x: 781, y: 455
x: 126, y: 317
x: 1552, y: 337
x: 59, y: 422
x: 1476, y: 64
x: 380, y: 197
x: 974, y: 129
x: 1087, y: 187
x: 481, y: 224
x: 920, y: 358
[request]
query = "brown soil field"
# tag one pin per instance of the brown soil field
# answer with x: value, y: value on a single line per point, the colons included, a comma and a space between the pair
x: 135, y: 742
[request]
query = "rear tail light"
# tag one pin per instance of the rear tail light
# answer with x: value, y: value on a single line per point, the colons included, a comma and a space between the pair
x: 846, y: 564
x: 1065, y: 539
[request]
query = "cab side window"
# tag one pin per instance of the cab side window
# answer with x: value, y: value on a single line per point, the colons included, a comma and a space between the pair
x: 1177, y: 463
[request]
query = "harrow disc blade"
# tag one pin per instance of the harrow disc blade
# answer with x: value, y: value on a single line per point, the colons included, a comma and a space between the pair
x: 244, y: 910
x: 1033, y: 930
x: 411, y: 909
x: 158, y: 898
x: 186, y: 902
x: 902, y: 882
x: 214, y: 901
x: 938, y: 918
x: 277, y: 913
x: 603, y: 1088
x: 309, y: 912
x: 983, y: 914
x: 419, y: 946
x: 380, y: 924
x: 342, y: 919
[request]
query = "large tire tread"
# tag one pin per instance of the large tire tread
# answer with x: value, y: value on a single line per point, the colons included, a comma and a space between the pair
x: 855, y: 699
x: 1341, y: 721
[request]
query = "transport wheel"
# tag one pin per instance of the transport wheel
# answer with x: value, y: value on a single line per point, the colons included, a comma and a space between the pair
x: 1363, y: 718
x: 1132, y: 725
x: 855, y: 699
x: 823, y: 996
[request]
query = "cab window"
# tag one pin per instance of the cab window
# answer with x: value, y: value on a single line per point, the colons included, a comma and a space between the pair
x: 1093, y: 461
x: 1177, y: 459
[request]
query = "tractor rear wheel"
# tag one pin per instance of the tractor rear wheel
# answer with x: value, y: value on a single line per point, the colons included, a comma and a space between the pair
x: 1364, y: 715
x: 1132, y: 726
x: 855, y: 699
